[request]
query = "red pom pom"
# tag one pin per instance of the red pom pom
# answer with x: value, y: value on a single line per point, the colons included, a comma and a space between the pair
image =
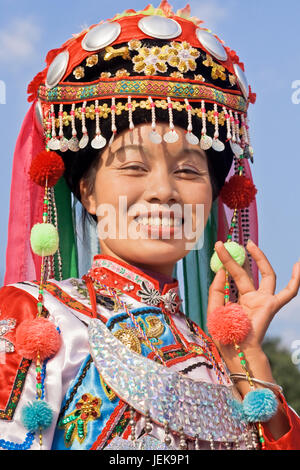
x: 46, y: 165
x: 238, y: 192
x: 228, y: 324
x: 37, y: 336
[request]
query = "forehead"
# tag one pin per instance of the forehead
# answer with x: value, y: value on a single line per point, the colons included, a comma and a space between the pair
x: 136, y: 141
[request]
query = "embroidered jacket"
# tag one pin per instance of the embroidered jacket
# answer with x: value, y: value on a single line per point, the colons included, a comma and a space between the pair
x: 87, y: 413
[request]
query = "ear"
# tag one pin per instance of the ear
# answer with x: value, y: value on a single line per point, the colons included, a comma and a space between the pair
x: 87, y: 197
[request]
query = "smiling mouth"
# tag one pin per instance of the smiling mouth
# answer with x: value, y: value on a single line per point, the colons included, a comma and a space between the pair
x: 159, y: 221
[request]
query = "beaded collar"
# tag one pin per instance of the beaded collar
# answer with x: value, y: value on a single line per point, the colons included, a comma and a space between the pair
x: 134, y: 282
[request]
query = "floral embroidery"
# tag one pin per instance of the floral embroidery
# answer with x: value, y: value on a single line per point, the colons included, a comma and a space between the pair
x: 150, y: 61
x: 182, y: 56
x: 134, y: 45
x: 8, y: 413
x: 105, y: 75
x: 151, y: 296
x: 78, y: 72
x: 199, y: 77
x: 92, y: 60
x: 153, y: 328
x: 75, y: 423
x: 176, y: 75
x: 6, y: 325
x: 232, y: 79
x: 217, y: 69
x: 122, y: 73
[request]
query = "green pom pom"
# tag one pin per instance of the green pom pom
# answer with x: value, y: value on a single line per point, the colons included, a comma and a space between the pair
x: 44, y: 239
x: 237, y: 252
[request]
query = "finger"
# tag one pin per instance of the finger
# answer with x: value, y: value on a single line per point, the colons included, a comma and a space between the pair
x: 239, y: 275
x: 291, y: 290
x: 216, y: 292
x: 268, y: 276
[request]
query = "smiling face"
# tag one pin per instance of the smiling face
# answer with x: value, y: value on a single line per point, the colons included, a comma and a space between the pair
x: 136, y: 180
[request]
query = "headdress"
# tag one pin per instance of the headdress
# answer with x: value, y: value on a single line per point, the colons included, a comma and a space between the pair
x: 151, y: 65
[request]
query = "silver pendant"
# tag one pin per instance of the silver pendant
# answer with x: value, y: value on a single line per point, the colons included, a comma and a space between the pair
x: 84, y: 141
x: 155, y: 137
x: 191, y: 138
x: 171, y: 137
x: 218, y: 145
x: 63, y: 144
x: 73, y: 144
x: 248, y: 153
x: 205, y: 142
x: 236, y: 148
x: 98, y: 142
x: 54, y: 143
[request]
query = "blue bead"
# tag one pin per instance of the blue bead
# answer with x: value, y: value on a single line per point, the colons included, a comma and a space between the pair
x: 260, y: 405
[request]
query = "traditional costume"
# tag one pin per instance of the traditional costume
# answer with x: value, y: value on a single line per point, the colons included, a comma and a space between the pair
x: 114, y: 360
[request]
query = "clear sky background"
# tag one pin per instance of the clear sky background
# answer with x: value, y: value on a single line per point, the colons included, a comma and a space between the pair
x: 265, y: 35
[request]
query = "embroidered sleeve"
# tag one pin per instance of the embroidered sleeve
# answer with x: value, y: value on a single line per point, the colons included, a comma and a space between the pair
x: 290, y: 440
x: 15, y: 306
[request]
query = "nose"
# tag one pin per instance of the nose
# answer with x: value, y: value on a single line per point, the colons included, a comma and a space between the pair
x: 161, y: 187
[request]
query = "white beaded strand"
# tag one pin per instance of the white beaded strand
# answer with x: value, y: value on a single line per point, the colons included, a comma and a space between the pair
x: 113, y: 120
x: 237, y: 127
x: 227, y: 117
x: 232, y: 126
x: 217, y: 144
x: 73, y: 142
x: 63, y: 141
x: 171, y: 136
x: 129, y: 105
x: 98, y: 141
x: 190, y: 137
x: 206, y: 140
x: 154, y: 136
x: 85, y: 137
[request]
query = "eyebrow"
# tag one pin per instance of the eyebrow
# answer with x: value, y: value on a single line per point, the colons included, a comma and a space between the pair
x: 176, y: 156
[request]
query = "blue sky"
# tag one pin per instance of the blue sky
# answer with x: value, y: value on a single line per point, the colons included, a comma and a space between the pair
x: 265, y: 36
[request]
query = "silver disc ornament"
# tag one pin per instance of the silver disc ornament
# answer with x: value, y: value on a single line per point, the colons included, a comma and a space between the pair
x: 211, y: 44
x: 218, y: 145
x: 101, y: 36
x: 57, y: 69
x: 191, y: 138
x: 73, y: 144
x: 171, y: 137
x: 63, y: 144
x: 155, y: 137
x: 242, y: 80
x: 84, y: 141
x: 98, y: 142
x: 236, y: 148
x: 54, y: 144
x: 205, y: 142
x: 160, y: 27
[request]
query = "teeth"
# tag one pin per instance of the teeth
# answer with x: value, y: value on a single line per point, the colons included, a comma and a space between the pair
x: 157, y: 221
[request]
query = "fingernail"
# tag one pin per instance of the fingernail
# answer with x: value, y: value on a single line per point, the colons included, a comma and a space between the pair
x: 249, y: 241
x: 218, y: 244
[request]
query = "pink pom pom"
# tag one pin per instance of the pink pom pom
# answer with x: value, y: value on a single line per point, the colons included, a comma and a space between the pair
x: 37, y: 336
x: 228, y: 324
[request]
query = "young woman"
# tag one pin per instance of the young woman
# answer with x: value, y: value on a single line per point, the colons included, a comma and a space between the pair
x: 143, y: 116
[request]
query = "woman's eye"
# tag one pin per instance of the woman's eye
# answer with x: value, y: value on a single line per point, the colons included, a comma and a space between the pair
x: 187, y: 170
x: 134, y: 167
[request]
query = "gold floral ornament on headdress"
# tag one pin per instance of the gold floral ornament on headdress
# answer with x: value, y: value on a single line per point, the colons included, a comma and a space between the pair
x: 151, y: 60
x: 182, y: 56
x: 217, y: 69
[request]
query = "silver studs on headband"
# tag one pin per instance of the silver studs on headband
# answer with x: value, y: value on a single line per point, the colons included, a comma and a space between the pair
x: 98, y: 141
x: 159, y: 27
x: 101, y: 36
x: 171, y: 136
x: 211, y: 44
